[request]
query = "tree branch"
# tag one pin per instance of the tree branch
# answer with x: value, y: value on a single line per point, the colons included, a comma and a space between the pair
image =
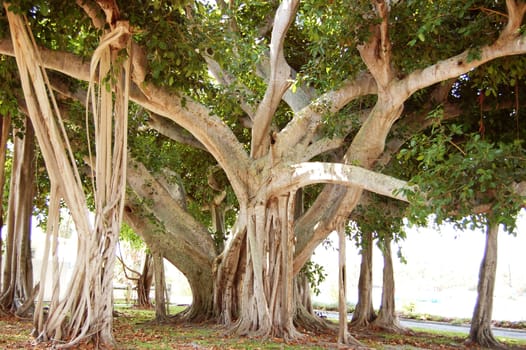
x: 207, y: 128
x: 516, y: 10
x: 296, y: 100
x: 160, y: 203
x: 376, y: 53
x: 510, y: 42
x: 279, y: 79
x: 173, y: 131
x: 303, y: 174
x: 305, y: 125
x: 92, y: 11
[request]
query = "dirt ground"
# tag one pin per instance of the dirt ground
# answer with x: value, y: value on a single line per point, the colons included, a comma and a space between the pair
x: 133, y: 331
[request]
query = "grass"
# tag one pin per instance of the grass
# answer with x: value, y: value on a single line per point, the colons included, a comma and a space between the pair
x: 133, y: 329
x: 511, y: 343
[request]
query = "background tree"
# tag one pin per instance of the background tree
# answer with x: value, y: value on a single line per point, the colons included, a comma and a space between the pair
x: 18, y: 291
x: 144, y: 279
x: 485, y: 190
x: 389, y: 229
x: 364, y: 312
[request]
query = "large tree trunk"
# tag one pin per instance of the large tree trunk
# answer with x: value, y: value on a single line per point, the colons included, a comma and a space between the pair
x: 480, y: 332
x: 144, y: 282
x: 17, y: 294
x: 387, y: 318
x: 266, y: 304
x: 364, y: 313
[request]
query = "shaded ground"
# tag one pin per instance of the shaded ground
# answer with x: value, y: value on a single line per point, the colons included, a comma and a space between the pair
x: 133, y: 331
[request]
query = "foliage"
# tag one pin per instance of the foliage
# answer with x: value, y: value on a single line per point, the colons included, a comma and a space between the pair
x: 330, y: 35
x: 460, y: 171
x: 419, y: 25
x: 315, y: 275
x: 128, y: 235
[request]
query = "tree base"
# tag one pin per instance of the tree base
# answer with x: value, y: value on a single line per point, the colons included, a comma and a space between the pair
x: 193, y: 314
x: 361, y: 323
x: 390, y: 325
x: 312, y: 323
x: 484, y: 340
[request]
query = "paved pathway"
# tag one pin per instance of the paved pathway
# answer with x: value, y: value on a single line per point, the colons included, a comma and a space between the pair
x: 498, y: 332
x: 441, y: 326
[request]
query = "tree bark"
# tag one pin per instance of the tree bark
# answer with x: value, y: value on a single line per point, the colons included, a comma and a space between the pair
x: 305, y: 317
x: 144, y: 282
x: 364, y: 313
x: 160, y: 287
x: 266, y: 304
x: 228, y: 272
x: 480, y: 332
x: 4, y: 135
x: 387, y: 318
x: 194, y: 263
x: 18, y: 274
x: 343, y: 332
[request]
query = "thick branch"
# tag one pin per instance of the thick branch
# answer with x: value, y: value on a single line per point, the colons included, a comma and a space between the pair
x: 510, y: 44
x: 173, y: 131
x: 166, y: 241
x: 516, y: 10
x: 111, y: 10
x: 279, y: 79
x: 376, y: 53
x: 160, y: 203
x: 305, y: 125
x: 92, y: 11
x: 207, y: 128
x: 303, y: 174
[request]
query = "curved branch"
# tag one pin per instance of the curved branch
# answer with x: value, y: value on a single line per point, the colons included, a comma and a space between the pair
x: 457, y: 65
x: 305, y: 124
x: 207, y: 128
x: 161, y: 204
x: 279, y: 79
x: 303, y: 174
